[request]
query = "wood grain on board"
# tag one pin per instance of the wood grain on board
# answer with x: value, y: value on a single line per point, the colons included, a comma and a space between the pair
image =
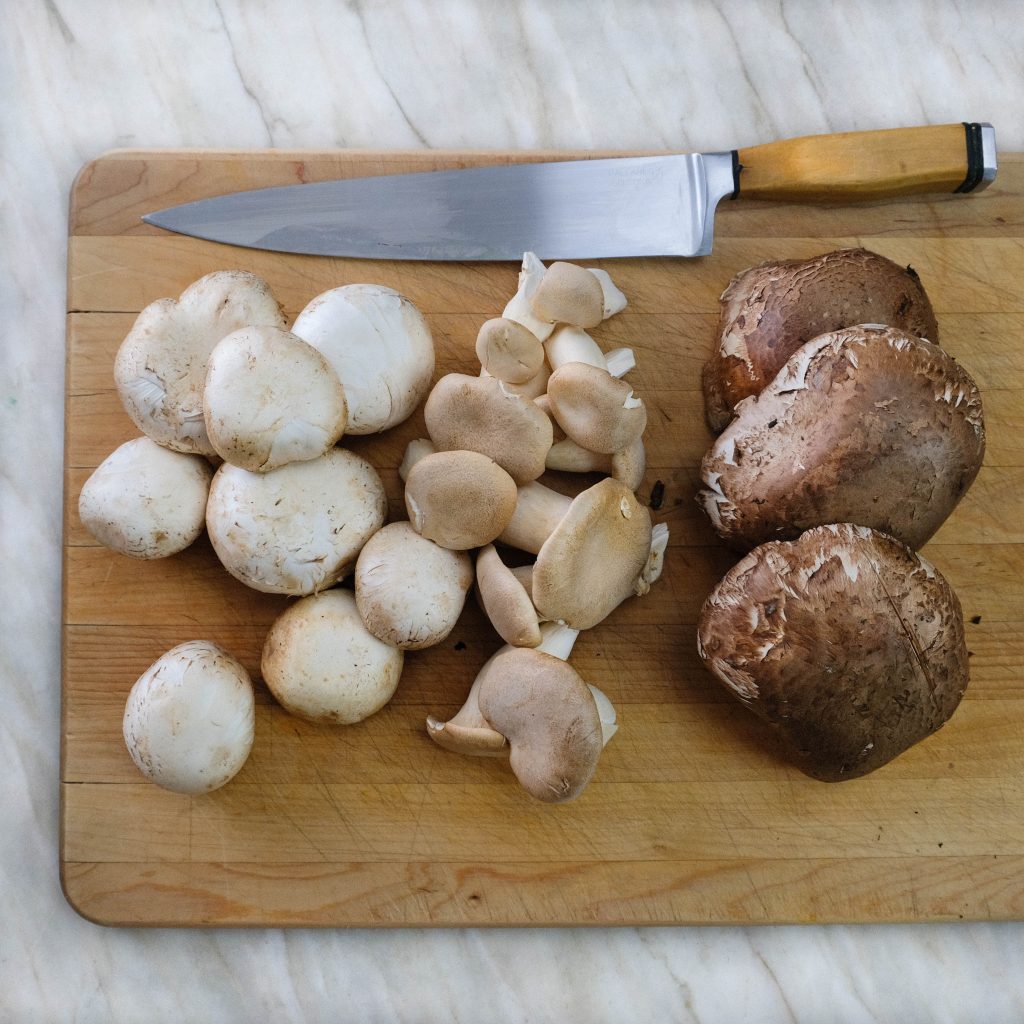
x: 691, y: 817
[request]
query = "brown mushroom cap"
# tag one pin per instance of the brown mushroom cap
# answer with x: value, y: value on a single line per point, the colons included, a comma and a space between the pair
x: 568, y: 294
x: 509, y: 351
x: 459, y: 499
x: 598, y: 411
x: 589, y: 564
x: 867, y: 425
x: 506, y: 601
x: 849, y: 644
x: 769, y: 311
x: 550, y: 718
x: 478, y: 414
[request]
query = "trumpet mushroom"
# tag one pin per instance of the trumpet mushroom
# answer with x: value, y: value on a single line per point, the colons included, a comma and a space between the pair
x: 509, y: 351
x: 598, y: 411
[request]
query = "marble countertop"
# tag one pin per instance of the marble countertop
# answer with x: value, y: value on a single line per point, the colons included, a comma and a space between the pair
x: 78, y: 78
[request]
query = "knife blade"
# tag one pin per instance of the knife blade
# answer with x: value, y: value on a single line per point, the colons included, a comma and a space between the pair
x: 573, y: 209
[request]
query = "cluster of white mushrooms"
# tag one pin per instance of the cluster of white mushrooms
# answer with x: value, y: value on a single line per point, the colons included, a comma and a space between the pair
x: 214, y: 379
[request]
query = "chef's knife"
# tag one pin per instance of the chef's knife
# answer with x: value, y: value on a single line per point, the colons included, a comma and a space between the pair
x: 573, y: 209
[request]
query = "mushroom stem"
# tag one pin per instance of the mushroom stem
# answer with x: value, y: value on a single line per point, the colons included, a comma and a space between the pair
x: 605, y: 708
x: 614, y: 299
x: 557, y: 639
x: 570, y: 344
x: 656, y: 561
x: 627, y: 466
x: 519, y: 307
x: 415, y: 450
x: 539, y: 510
x: 620, y: 361
x: 524, y: 573
x: 533, y: 388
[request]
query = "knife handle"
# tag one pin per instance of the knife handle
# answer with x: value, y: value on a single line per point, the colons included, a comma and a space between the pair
x: 862, y: 166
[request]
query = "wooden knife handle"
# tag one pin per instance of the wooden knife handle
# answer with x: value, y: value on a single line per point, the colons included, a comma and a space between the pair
x: 862, y: 166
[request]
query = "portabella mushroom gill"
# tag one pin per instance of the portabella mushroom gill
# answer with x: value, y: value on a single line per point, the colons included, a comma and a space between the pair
x: 867, y: 425
x: 846, y: 642
x: 770, y: 310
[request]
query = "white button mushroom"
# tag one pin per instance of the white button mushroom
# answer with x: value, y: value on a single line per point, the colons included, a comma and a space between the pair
x: 322, y: 663
x: 297, y: 529
x: 146, y: 501
x: 380, y: 347
x: 160, y: 369
x: 190, y: 718
x: 409, y: 590
x: 271, y: 399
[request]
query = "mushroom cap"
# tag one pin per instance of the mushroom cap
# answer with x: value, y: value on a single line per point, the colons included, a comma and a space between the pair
x: 867, y: 425
x: 380, y: 347
x: 506, y: 601
x: 477, y: 414
x: 549, y: 717
x: 769, y: 311
x: 322, y: 663
x: 160, y: 368
x: 589, y: 564
x: 190, y: 718
x: 146, y: 501
x: 568, y: 294
x: 271, y: 399
x: 409, y: 590
x: 509, y: 351
x: 459, y: 499
x: 598, y: 411
x: 849, y: 644
x: 296, y: 529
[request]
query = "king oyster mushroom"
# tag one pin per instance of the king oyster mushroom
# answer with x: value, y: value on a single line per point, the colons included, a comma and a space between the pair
x: 568, y: 294
x: 160, y: 369
x: 506, y: 602
x: 380, y: 347
x: 509, y: 351
x: 596, y: 410
x: 769, y: 311
x: 299, y: 528
x: 867, y: 425
x: 846, y: 642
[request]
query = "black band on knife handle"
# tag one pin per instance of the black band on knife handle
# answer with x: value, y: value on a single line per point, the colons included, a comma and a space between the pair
x: 975, y: 158
x: 737, y: 168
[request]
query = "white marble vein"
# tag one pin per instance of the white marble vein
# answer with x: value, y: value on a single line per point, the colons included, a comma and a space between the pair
x: 78, y: 77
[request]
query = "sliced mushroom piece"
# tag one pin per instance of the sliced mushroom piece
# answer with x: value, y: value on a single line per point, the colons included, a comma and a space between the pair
x: 549, y: 717
x: 467, y: 732
x: 160, y: 369
x: 271, y: 399
x: 867, y: 425
x: 297, y: 529
x: 459, y: 499
x: 626, y: 466
x: 598, y: 411
x: 590, y: 549
x: 619, y: 361
x: 509, y: 351
x: 568, y: 294
x: 478, y: 414
x: 146, y: 501
x: 519, y: 307
x: 847, y: 643
x: 769, y: 311
x: 409, y: 590
x: 506, y: 602
x: 614, y: 298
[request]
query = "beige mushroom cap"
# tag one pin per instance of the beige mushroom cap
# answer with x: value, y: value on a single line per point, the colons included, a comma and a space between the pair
x: 598, y: 411
x: 409, y: 590
x: 271, y: 399
x: 509, y: 351
x: 550, y: 719
x: 477, y: 414
x: 568, y: 294
x: 459, y: 499
x: 506, y: 602
x: 591, y: 561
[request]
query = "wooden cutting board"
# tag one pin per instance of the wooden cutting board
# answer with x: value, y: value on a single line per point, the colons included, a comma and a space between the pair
x: 690, y: 818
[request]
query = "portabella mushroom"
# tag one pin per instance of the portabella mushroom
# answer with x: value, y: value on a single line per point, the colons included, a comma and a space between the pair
x: 459, y: 499
x: 590, y: 549
x: 568, y: 294
x: 160, y: 368
x: 598, y: 411
x: 478, y: 414
x: 847, y: 643
x: 271, y: 399
x: 509, y: 351
x: 299, y: 528
x: 769, y: 311
x: 321, y: 663
x: 380, y: 347
x: 409, y: 590
x: 867, y: 425
x: 190, y: 718
x: 146, y: 501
